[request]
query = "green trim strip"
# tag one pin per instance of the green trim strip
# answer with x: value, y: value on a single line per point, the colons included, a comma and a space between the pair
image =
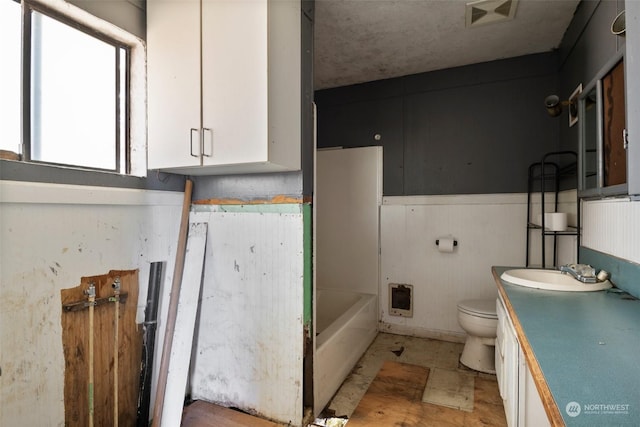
x: 307, y: 215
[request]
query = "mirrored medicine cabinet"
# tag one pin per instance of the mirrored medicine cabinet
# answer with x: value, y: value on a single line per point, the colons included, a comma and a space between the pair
x: 603, y: 138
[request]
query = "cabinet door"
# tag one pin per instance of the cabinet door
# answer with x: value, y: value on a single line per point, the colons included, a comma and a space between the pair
x: 235, y: 81
x: 531, y: 411
x: 614, y: 123
x: 173, y: 73
x: 510, y: 371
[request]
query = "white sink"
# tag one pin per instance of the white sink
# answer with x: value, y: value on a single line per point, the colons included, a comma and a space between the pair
x: 552, y: 280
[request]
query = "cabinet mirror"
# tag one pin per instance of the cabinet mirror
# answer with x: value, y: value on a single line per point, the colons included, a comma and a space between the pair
x: 603, y: 157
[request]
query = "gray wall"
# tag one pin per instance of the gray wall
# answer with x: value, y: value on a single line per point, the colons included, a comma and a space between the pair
x: 472, y: 129
x: 466, y: 130
x: 248, y: 187
x: 307, y: 137
x: 586, y: 47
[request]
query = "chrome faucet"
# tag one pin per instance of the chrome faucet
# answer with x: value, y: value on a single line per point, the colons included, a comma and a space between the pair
x: 582, y: 272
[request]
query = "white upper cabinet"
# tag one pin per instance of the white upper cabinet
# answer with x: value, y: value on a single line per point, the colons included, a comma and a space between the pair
x: 173, y: 79
x: 224, y: 85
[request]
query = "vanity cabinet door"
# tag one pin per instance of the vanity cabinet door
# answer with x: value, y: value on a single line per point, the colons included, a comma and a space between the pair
x: 531, y: 411
x: 511, y: 376
x: 507, y: 349
x: 522, y: 404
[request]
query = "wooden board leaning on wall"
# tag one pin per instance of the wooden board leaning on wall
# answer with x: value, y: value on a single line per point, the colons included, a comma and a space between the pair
x: 75, y: 339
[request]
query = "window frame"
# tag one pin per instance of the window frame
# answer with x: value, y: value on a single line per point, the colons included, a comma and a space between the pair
x: 131, y: 162
x: 122, y: 165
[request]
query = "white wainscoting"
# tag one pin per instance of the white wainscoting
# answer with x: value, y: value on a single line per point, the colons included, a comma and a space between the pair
x: 490, y: 230
x: 249, y: 349
x: 51, y: 236
x: 612, y: 226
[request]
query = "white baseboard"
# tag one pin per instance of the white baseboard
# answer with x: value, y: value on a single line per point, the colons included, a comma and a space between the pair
x: 419, y: 332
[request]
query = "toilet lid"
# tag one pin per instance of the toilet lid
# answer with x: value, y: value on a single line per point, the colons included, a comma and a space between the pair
x: 479, y: 307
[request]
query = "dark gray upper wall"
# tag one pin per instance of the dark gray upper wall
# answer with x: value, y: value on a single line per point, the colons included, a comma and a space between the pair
x: 307, y: 137
x: 586, y: 47
x: 248, y: 187
x: 466, y: 130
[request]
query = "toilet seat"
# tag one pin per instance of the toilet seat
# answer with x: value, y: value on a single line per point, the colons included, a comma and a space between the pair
x: 479, y: 308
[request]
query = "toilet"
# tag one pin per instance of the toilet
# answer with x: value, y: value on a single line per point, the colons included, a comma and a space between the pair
x: 479, y: 320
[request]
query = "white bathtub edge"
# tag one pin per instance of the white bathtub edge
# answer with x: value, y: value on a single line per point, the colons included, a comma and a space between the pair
x: 334, y: 360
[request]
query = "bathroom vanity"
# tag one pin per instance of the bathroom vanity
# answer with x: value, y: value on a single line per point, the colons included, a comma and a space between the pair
x: 567, y: 358
x: 522, y: 403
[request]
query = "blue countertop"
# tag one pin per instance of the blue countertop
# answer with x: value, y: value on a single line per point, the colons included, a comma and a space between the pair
x: 587, y: 345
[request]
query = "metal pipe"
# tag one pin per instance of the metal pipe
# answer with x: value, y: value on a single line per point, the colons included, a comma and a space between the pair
x: 116, y: 298
x: 91, y: 297
x: 148, y: 342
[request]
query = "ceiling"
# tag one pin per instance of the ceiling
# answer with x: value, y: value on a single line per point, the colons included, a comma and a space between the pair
x: 358, y: 41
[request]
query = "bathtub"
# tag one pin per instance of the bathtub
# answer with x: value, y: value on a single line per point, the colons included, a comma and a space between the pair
x: 346, y: 324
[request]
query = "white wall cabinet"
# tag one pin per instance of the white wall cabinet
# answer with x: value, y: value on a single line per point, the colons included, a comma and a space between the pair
x: 224, y: 86
x: 522, y: 404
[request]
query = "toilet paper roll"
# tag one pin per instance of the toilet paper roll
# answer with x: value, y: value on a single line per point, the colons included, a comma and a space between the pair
x: 445, y: 244
x: 556, y: 221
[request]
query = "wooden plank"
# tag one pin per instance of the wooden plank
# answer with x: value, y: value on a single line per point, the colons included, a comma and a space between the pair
x: 394, y: 398
x: 75, y: 338
x: 204, y: 414
x: 279, y: 199
x: 185, y: 325
x: 161, y: 384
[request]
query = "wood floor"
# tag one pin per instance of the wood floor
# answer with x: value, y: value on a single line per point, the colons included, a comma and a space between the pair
x: 386, y: 389
x: 203, y: 414
x: 394, y: 398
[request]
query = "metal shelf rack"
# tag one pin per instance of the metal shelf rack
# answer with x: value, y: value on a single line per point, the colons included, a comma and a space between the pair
x: 549, y: 176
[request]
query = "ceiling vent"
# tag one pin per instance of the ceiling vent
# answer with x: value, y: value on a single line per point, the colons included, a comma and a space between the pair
x: 489, y: 11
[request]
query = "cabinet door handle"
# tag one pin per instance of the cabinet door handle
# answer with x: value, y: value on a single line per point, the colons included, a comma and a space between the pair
x: 191, y: 131
x: 204, y: 152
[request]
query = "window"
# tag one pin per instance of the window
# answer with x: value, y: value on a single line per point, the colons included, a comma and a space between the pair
x: 72, y: 107
x: 10, y: 75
